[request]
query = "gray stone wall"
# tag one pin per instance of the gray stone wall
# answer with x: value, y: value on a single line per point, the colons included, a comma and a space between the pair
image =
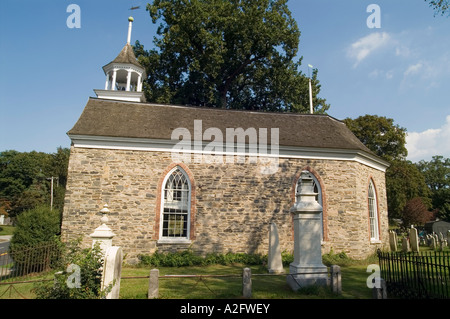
x: 232, y: 204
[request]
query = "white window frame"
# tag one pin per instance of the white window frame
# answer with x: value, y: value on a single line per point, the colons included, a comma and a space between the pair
x: 175, y: 239
x: 372, y: 203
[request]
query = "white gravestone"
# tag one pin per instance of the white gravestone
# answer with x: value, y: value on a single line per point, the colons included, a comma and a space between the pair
x: 112, y: 269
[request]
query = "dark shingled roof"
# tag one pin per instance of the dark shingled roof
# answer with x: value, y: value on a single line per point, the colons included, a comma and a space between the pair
x: 126, y: 56
x: 155, y: 121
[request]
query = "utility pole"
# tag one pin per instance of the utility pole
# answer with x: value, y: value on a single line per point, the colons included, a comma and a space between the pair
x: 51, y: 190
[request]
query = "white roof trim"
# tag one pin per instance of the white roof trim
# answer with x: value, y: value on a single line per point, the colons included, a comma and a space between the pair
x: 153, y: 145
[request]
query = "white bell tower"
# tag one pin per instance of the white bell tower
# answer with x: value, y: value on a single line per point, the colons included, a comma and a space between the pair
x: 124, y: 75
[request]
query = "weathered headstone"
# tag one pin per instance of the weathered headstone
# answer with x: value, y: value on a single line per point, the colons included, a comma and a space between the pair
x: 414, y: 239
x: 433, y: 242
x: 112, y: 270
x: 275, y: 262
x: 405, y: 244
x: 393, y: 240
x: 307, y: 268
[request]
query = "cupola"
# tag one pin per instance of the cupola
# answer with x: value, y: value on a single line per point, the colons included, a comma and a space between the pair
x: 124, y: 75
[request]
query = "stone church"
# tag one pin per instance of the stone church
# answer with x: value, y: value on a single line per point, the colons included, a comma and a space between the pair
x: 213, y: 180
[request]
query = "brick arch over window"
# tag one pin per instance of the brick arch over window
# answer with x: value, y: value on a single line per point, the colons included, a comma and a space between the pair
x: 324, y: 196
x: 160, y: 196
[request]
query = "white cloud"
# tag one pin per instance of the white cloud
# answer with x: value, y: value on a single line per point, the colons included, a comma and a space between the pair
x: 413, y: 69
x: 365, y: 46
x: 423, y: 145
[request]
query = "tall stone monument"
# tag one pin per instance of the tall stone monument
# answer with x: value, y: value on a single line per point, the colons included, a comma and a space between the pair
x: 307, y: 268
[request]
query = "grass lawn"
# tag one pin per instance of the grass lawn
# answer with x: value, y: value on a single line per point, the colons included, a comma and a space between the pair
x: 263, y: 287
x: 6, y: 230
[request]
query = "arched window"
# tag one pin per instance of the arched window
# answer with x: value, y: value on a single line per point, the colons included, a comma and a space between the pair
x: 176, y: 203
x: 373, y: 212
x: 318, y: 191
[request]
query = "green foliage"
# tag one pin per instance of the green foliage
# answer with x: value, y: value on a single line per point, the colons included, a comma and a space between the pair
x: 35, y: 226
x: 440, y: 6
x: 65, y: 284
x: 380, y: 135
x: 24, y: 180
x: 403, y: 183
x: 340, y: 259
x: 189, y: 258
x: 227, y: 53
x: 437, y: 176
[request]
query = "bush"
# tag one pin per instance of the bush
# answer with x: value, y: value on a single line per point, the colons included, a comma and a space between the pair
x: 35, y: 226
x: 66, y: 284
x: 340, y: 259
x: 189, y: 258
x: 36, y: 231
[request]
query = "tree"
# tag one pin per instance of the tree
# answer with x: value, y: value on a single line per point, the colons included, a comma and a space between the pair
x: 235, y: 54
x: 380, y: 135
x: 388, y: 140
x: 415, y: 213
x: 437, y: 176
x: 403, y: 183
x: 24, y: 178
x: 440, y: 6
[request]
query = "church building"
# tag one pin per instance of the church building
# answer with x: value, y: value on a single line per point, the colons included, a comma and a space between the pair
x: 213, y: 180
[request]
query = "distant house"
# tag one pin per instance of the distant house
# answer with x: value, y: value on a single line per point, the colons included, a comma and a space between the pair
x: 174, y: 180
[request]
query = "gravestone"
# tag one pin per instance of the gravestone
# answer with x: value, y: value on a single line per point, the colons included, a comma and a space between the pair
x: 414, y: 239
x: 405, y: 244
x: 307, y: 268
x: 275, y: 262
x: 393, y: 240
x: 112, y: 270
x: 433, y: 242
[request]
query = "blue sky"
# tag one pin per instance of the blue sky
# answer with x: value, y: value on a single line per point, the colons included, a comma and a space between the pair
x: 400, y: 70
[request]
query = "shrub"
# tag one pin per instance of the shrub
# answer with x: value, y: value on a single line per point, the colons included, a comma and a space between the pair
x: 35, y: 226
x: 35, y: 233
x: 66, y: 285
x: 189, y: 258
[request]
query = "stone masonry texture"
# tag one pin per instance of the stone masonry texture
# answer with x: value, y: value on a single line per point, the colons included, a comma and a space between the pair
x: 232, y: 204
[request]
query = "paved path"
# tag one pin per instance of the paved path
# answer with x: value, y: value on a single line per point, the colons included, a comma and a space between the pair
x: 5, y: 238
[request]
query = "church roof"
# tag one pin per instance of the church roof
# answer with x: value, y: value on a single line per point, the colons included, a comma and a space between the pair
x: 110, y: 118
x: 126, y: 56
